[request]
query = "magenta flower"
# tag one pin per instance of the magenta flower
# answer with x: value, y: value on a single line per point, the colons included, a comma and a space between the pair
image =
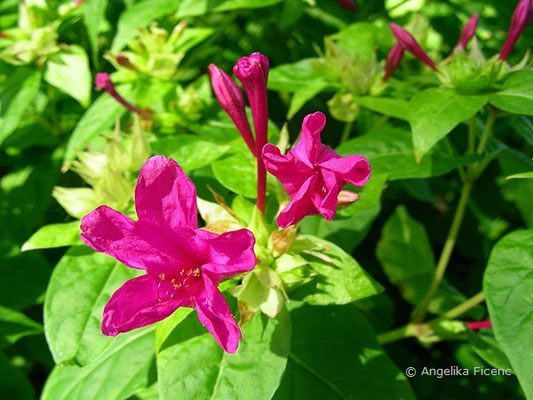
x: 252, y: 72
x: 393, y: 60
x: 348, y: 5
x: 467, y: 33
x: 230, y: 99
x: 408, y: 42
x: 520, y: 19
x: 312, y: 173
x: 103, y: 81
x: 183, y: 264
x: 478, y: 325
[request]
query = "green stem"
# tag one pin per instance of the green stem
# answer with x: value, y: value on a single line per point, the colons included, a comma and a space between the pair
x: 346, y: 131
x: 447, y: 250
x: 463, y: 307
x: 472, y: 135
x: 417, y: 330
x: 487, y: 131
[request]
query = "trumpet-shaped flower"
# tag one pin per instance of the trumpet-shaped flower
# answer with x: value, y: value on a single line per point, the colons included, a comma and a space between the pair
x: 520, y: 19
x: 313, y: 174
x: 183, y: 264
x: 408, y: 42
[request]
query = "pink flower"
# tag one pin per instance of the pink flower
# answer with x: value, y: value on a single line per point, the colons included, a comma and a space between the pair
x: 312, y: 173
x: 520, y: 19
x: 393, y: 60
x: 467, y: 33
x: 348, y: 5
x: 230, y: 99
x: 252, y: 72
x: 478, y: 325
x: 408, y: 42
x: 183, y: 264
x: 103, y: 81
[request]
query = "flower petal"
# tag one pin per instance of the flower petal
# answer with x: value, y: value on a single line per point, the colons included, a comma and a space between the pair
x: 165, y: 197
x: 308, y: 148
x: 300, y: 205
x: 215, y: 314
x: 135, y: 304
x: 110, y: 232
x: 290, y: 171
x: 325, y: 196
x: 231, y: 253
x: 353, y: 169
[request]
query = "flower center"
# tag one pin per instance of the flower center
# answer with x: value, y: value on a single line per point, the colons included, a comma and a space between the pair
x: 173, y: 286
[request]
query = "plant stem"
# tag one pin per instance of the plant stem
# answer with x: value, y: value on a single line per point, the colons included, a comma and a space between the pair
x: 415, y: 330
x: 472, y: 135
x: 403, y: 332
x: 463, y: 307
x: 487, y: 131
x: 447, y: 250
x: 346, y: 131
x: 420, y: 313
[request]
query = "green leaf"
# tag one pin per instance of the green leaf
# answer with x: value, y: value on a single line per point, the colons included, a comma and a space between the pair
x: 339, y: 280
x: 508, y: 285
x: 100, y: 116
x: 16, y: 98
x: 302, y: 96
x: 94, y: 20
x: 13, y: 382
x: 516, y: 95
x: 192, y: 365
x: 488, y: 349
x: 405, y: 253
x: 81, y: 284
x: 54, y: 235
x: 390, y: 151
x: 335, y: 355
x: 523, y: 175
x: 295, y: 77
x: 397, y: 108
x: 116, y: 374
x: 435, y: 112
x: 237, y: 172
x: 192, y: 8
x: 139, y: 16
x: 68, y: 70
x: 14, y: 325
x: 189, y: 151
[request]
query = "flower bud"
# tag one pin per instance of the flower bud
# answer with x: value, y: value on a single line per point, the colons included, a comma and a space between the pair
x: 230, y: 99
x: 520, y: 19
x: 347, y: 198
x: 252, y: 72
x: 140, y: 148
x: 467, y: 33
x: 393, y: 60
x: 103, y: 81
x: 408, y: 42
